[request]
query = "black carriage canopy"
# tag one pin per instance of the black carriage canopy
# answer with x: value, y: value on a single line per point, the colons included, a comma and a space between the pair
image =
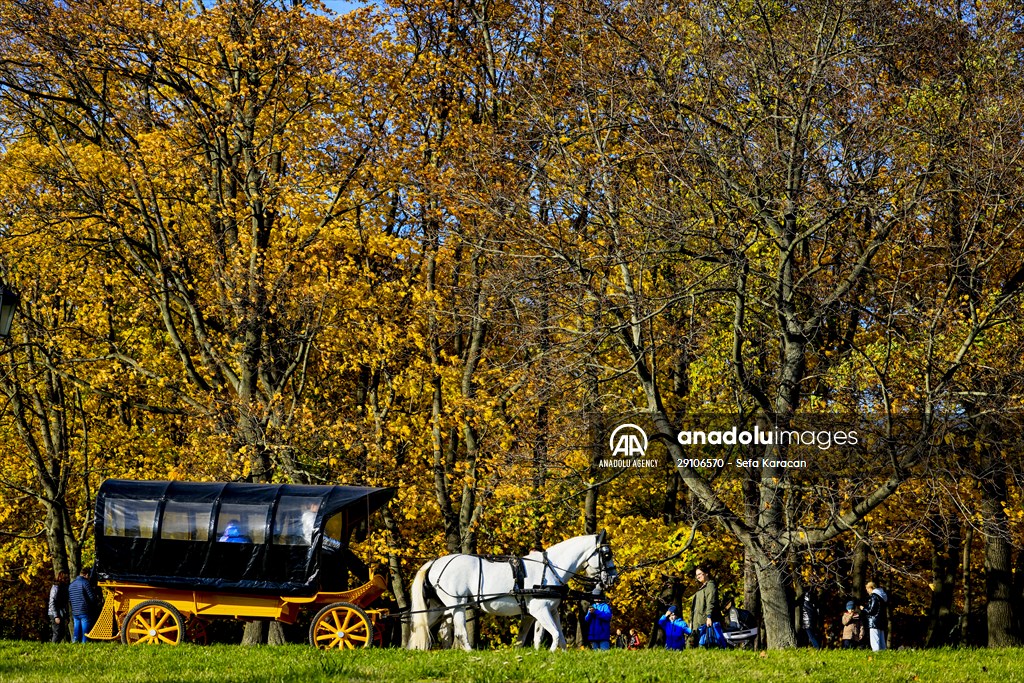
x: 267, y: 538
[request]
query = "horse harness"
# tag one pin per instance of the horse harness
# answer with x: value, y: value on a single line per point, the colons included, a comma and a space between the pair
x: 517, y: 565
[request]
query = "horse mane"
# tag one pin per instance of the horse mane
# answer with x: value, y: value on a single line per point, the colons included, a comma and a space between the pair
x: 567, y: 541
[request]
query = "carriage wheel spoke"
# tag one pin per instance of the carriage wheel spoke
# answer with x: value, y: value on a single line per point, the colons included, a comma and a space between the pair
x: 163, y: 620
x: 332, y: 640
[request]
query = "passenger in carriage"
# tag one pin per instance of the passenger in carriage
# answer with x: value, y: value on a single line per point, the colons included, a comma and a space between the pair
x: 308, y: 520
x: 233, y: 533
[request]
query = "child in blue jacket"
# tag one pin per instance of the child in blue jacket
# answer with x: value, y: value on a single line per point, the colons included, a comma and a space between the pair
x: 675, y: 629
x: 599, y: 618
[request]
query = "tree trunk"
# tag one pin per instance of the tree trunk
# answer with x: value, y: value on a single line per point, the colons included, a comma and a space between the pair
x: 775, y: 605
x: 440, y: 471
x: 668, y: 511
x: 859, y: 569
x: 254, y: 633
x: 771, y: 577
x: 540, y: 468
x: 751, y: 587
x: 965, y: 620
x: 57, y: 540
x: 275, y: 634
x: 596, y: 434
x: 945, y: 552
x: 998, y: 555
x: 1018, y: 592
x: 395, y: 570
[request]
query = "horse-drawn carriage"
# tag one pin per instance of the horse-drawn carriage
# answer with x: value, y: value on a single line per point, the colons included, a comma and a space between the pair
x: 172, y: 556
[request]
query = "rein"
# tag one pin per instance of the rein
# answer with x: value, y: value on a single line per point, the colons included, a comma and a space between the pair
x: 558, y: 590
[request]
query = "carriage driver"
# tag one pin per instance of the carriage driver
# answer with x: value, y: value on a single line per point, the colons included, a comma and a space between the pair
x: 599, y: 618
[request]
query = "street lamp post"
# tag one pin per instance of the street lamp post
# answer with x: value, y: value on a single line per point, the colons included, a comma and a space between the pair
x: 8, y: 304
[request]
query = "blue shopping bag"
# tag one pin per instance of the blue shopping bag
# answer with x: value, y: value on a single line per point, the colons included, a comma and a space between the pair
x: 711, y: 637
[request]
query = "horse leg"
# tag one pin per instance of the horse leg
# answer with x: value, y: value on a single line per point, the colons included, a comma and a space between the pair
x: 444, y: 630
x: 459, y: 625
x: 545, y: 620
x: 525, y: 624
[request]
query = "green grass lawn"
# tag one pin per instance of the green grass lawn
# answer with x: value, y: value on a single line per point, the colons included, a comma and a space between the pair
x: 96, y: 662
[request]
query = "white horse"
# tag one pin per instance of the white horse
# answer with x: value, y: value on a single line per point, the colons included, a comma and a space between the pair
x: 449, y: 585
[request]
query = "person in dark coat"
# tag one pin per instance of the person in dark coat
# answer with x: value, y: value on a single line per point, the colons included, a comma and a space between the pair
x: 621, y: 641
x: 599, y: 620
x: 809, y: 618
x: 705, y: 602
x: 84, y: 604
x: 878, y: 619
x: 57, y: 609
x: 675, y: 629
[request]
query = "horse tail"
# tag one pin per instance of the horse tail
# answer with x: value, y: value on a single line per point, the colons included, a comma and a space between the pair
x: 419, y: 633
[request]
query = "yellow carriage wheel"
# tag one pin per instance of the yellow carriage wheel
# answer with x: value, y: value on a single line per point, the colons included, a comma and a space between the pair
x: 341, y: 625
x: 154, y: 622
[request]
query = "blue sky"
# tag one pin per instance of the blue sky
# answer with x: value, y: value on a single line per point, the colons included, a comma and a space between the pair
x: 341, y: 6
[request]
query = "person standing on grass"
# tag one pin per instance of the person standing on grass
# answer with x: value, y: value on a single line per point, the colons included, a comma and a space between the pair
x: 853, y: 627
x: 57, y: 609
x: 878, y: 621
x: 599, y: 619
x: 675, y: 629
x: 809, y: 618
x: 620, y: 639
x: 705, y: 602
x: 634, y: 640
x: 83, y: 605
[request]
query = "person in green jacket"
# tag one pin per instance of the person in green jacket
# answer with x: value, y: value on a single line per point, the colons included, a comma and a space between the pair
x: 705, y: 600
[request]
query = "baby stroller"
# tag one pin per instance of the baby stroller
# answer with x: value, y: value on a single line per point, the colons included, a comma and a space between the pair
x: 740, y: 630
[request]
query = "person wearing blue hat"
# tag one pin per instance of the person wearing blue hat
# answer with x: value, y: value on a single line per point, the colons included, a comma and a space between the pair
x: 599, y: 619
x: 233, y: 534
x: 675, y: 629
x: 853, y: 627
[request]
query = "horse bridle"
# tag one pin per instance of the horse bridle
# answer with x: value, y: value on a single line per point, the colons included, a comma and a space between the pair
x: 607, y: 562
x: 604, y: 552
x: 602, y: 549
